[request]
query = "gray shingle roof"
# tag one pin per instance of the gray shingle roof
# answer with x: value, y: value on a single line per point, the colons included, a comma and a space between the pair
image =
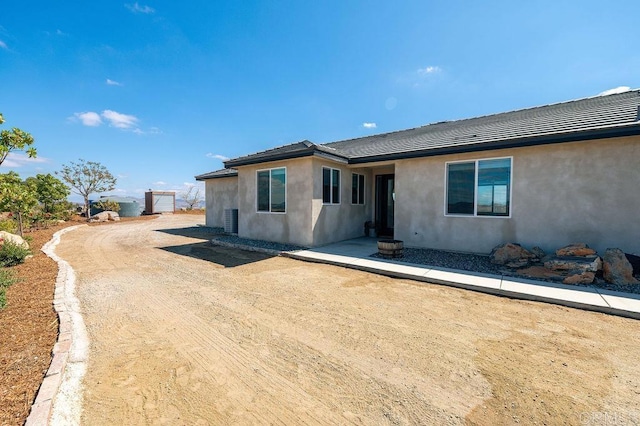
x: 583, y: 119
x: 294, y: 150
x: 222, y: 173
x: 546, y: 124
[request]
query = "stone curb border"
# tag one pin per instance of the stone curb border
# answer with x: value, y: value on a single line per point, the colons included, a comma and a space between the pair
x: 71, y: 346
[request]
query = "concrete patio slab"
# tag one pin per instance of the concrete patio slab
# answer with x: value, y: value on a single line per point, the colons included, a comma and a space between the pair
x: 550, y: 292
x: 463, y: 279
x: 622, y: 301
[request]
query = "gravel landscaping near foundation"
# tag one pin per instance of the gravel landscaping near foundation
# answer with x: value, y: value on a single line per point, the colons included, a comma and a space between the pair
x: 482, y: 264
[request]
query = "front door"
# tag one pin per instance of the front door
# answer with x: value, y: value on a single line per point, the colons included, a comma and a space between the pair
x: 385, y: 198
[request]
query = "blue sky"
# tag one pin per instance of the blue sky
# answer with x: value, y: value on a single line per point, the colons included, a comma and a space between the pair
x: 159, y: 91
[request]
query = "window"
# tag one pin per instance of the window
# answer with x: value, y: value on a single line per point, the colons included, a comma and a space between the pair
x: 479, y: 188
x: 357, y: 188
x: 272, y: 190
x: 330, y: 186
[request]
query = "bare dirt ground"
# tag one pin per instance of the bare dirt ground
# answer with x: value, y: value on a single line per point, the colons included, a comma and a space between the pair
x: 185, y: 333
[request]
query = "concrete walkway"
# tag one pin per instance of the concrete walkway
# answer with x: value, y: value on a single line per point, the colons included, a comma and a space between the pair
x: 355, y: 254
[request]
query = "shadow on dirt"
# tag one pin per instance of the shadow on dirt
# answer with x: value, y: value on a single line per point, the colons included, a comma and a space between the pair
x: 223, y: 256
x: 200, y: 232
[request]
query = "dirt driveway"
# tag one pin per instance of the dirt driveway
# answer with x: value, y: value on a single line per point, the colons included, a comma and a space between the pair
x: 185, y: 333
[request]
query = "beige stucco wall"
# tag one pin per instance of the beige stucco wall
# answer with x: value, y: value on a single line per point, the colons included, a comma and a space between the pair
x: 562, y: 193
x: 220, y: 194
x: 307, y: 220
x: 337, y: 222
x: 294, y: 226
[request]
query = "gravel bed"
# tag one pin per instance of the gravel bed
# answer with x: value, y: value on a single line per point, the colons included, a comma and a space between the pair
x: 447, y: 259
x: 482, y: 264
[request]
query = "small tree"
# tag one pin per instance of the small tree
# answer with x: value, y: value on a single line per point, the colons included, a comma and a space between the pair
x: 50, y: 191
x: 107, y: 206
x: 16, y: 196
x: 86, y: 178
x: 191, y: 197
x: 15, y: 140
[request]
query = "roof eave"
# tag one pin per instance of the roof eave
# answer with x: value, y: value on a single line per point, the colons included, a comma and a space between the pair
x: 207, y: 176
x: 606, y: 133
x: 284, y: 156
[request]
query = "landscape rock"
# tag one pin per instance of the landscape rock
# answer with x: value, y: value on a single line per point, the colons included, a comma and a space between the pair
x: 575, y: 249
x: 105, y: 216
x: 580, y: 277
x: 616, y: 268
x: 16, y: 239
x: 584, y: 264
x: 538, y: 252
x: 511, y: 255
x: 635, y: 262
x: 540, y: 272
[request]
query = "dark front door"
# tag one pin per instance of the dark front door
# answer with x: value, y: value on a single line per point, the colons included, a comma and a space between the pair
x: 385, y: 197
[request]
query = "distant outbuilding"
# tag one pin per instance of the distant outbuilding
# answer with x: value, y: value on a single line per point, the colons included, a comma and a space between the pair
x: 159, y: 202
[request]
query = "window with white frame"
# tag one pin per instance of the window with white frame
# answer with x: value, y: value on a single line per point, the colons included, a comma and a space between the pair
x: 272, y: 190
x: 479, y: 188
x: 330, y: 186
x: 357, y: 188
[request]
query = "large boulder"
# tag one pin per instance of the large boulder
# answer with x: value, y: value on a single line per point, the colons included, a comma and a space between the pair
x: 585, y: 264
x: 575, y: 249
x: 616, y: 268
x: 635, y: 262
x: 105, y: 216
x: 580, y: 277
x: 511, y: 255
x: 16, y: 239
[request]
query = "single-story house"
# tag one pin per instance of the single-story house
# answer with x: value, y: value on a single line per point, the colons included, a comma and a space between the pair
x: 545, y: 176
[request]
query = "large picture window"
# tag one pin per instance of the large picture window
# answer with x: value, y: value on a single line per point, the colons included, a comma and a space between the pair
x: 330, y: 186
x: 272, y: 190
x: 357, y: 188
x: 479, y: 188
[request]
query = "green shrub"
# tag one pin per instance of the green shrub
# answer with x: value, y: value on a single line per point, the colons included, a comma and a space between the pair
x: 12, y: 254
x: 107, y: 205
x: 6, y: 279
x: 9, y: 225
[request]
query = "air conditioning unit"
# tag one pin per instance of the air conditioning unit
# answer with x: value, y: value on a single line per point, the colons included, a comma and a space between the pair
x: 231, y: 221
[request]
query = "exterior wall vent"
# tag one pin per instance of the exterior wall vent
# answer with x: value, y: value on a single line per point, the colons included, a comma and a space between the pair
x: 231, y: 221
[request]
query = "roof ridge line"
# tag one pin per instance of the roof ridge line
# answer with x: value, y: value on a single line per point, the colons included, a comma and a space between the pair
x: 637, y: 91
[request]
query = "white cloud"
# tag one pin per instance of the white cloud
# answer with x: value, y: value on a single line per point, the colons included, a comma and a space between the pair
x: 15, y: 159
x: 431, y: 69
x: 369, y: 125
x: 91, y: 119
x: 620, y: 89
x: 113, y: 83
x: 160, y: 183
x: 121, y: 121
x: 421, y: 77
x: 114, y: 119
x: 136, y: 8
x: 3, y: 45
x: 217, y: 156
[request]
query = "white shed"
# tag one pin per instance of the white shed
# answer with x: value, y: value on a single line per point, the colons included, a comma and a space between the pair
x: 159, y: 202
